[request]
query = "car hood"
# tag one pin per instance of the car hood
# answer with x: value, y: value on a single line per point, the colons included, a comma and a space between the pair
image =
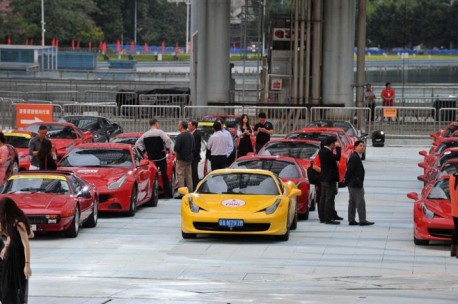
x: 62, y: 144
x: 440, y: 207
x: 39, y: 203
x: 233, y: 203
x: 99, y: 175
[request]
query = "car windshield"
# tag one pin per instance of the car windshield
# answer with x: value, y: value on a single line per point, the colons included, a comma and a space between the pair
x: 239, y: 183
x: 97, y: 158
x: 85, y: 124
x: 125, y: 140
x: 17, y: 141
x: 56, y: 131
x: 440, y: 191
x: 35, y: 184
x: 291, y: 149
x: 445, y: 145
x: 283, y: 169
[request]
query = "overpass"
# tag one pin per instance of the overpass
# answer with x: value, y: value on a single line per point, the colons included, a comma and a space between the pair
x: 319, y: 71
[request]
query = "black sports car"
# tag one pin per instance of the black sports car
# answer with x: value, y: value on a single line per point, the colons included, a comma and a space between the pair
x: 100, y: 127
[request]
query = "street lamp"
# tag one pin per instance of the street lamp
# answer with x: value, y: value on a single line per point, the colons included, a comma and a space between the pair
x: 43, y: 23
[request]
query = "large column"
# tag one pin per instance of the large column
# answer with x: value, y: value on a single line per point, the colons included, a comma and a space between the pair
x: 210, y: 71
x: 339, y: 41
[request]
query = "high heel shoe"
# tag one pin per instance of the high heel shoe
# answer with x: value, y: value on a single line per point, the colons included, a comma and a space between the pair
x: 453, y: 251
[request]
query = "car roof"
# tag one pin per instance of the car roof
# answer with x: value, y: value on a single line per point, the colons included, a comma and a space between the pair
x: 128, y: 134
x: 246, y: 171
x: 103, y: 145
x: 266, y: 157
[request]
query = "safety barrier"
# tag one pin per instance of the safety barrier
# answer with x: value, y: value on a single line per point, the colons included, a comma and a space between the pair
x: 136, y: 118
x: 446, y: 116
x: 164, y: 99
x: 99, y: 96
x: 55, y: 96
x: 360, y: 117
x: 105, y: 109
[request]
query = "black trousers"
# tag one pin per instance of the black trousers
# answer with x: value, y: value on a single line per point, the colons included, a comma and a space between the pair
x: 195, y: 172
x: 326, y: 207
x: 162, y: 165
x: 218, y: 162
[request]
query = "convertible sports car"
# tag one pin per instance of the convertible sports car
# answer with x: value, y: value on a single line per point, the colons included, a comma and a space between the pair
x: 448, y: 131
x: 124, y: 179
x: 432, y: 213
x: 65, y: 136
x: 287, y: 169
x: 101, y: 128
x: 240, y: 201
x: 54, y: 200
x: 444, y: 143
x: 20, y: 139
x: 437, y: 161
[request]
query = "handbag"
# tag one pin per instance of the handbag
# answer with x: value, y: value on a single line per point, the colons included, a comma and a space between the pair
x: 313, y: 175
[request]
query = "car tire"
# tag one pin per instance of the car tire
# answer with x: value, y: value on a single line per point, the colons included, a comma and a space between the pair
x: 304, y: 216
x: 188, y: 236
x: 294, y: 223
x: 420, y: 242
x: 155, y: 195
x: 91, y: 222
x: 283, y: 237
x: 173, y: 184
x: 74, y: 228
x: 133, y: 202
x: 16, y: 166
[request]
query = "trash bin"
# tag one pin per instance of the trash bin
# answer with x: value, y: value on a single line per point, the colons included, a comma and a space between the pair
x: 449, y: 115
x: 378, y: 138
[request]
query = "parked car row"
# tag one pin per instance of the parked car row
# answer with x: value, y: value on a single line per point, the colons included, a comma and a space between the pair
x: 100, y: 170
x: 432, y: 212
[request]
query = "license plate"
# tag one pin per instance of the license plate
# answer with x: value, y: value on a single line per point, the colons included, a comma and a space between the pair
x: 230, y: 223
x: 33, y: 227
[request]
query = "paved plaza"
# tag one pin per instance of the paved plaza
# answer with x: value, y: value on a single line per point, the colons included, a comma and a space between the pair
x: 145, y: 260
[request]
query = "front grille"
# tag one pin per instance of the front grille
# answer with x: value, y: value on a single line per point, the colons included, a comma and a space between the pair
x: 104, y: 197
x: 247, y: 227
x: 43, y: 219
x: 444, y: 233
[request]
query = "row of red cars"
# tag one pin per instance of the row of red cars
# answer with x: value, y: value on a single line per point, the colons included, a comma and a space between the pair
x: 432, y: 211
x: 116, y: 177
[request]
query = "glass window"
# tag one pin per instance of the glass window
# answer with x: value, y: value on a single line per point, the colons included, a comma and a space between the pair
x: 97, y: 158
x: 239, y: 183
x: 291, y: 149
x: 37, y: 184
x: 440, y: 191
x: 283, y: 169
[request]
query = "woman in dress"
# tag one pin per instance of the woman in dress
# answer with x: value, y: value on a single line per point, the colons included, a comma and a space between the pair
x: 244, y: 134
x: 15, y: 226
x: 45, y: 155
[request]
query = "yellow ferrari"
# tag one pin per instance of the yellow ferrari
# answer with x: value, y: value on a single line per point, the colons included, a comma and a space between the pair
x: 240, y: 201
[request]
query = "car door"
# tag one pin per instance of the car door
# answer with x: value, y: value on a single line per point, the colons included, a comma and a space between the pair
x: 85, y: 203
x: 142, y: 175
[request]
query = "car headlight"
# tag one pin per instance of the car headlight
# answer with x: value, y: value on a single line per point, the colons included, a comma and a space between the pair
x: 118, y: 183
x: 194, y: 208
x: 428, y: 213
x: 271, y: 209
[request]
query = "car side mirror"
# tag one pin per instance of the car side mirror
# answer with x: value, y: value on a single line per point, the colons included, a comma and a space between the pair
x: 422, y: 165
x: 413, y: 195
x: 421, y: 178
x: 183, y: 190
x: 144, y: 162
x: 423, y: 153
x: 84, y: 194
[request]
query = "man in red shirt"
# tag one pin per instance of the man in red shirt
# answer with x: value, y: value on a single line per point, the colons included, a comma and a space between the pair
x: 388, y: 95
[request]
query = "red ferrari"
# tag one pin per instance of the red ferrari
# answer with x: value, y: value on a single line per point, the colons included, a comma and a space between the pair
x: 287, y: 169
x: 64, y: 136
x: 448, y: 131
x: 54, y: 200
x: 123, y: 177
x: 432, y: 213
x: 20, y: 139
x: 437, y: 161
x: 132, y: 137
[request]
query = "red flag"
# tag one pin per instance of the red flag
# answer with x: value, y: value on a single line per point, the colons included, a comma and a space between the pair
x: 73, y: 44
x: 27, y: 42
x: 8, y: 40
x: 132, y: 47
x: 177, y: 49
x: 163, y: 47
x: 104, y: 47
x: 90, y: 45
x: 57, y: 43
x: 53, y: 42
x: 145, y: 48
x: 118, y: 46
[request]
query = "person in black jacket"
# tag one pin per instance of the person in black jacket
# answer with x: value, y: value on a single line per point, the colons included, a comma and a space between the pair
x: 184, y: 146
x: 192, y: 127
x: 354, y: 178
x: 329, y: 180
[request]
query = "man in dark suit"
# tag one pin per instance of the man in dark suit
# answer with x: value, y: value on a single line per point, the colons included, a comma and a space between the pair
x: 192, y: 127
x: 354, y: 178
x: 329, y: 180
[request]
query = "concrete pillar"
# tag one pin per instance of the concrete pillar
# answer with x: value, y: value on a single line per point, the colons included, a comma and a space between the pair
x: 210, y: 71
x: 338, y: 45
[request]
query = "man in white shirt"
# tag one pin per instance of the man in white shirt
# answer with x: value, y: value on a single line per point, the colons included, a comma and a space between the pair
x: 218, y: 147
